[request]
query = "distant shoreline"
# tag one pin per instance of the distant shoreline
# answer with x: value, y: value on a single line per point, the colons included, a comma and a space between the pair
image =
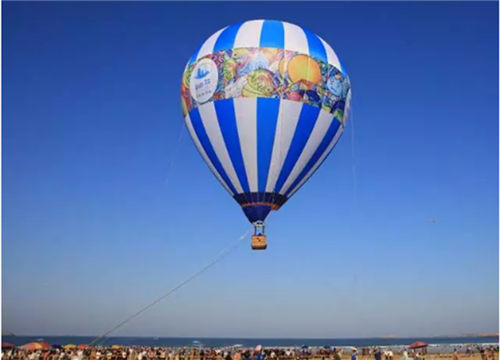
x: 280, y: 338
x: 437, y: 343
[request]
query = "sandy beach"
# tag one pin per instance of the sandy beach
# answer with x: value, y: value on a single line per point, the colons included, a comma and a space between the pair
x: 45, y: 351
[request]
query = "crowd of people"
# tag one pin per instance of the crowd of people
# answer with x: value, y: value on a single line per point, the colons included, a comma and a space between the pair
x: 259, y: 353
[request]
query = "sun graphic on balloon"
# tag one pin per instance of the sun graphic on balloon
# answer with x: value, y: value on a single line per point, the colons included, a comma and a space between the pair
x: 301, y: 67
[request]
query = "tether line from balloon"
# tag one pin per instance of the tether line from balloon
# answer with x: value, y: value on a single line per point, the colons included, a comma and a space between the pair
x: 170, y: 164
x: 353, y: 159
x: 215, y: 260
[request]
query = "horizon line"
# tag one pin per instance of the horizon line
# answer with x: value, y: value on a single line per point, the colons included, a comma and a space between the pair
x: 486, y: 334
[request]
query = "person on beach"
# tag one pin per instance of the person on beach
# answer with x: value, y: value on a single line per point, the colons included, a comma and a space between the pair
x: 354, y: 354
x: 336, y: 354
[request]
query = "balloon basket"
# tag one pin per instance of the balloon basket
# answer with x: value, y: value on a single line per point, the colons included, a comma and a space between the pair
x: 259, y: 242
x: 259, y: 239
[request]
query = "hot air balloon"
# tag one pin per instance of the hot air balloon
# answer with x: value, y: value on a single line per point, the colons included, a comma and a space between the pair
x: 265, y: 102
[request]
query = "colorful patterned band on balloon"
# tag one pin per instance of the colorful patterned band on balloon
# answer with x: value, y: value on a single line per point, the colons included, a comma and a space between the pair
x: 267, y: 73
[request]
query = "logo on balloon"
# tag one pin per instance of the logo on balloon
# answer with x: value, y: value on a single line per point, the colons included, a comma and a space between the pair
x: 204, y: 78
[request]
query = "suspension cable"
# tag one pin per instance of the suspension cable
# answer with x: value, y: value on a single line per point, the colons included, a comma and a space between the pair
x: 215, y: 260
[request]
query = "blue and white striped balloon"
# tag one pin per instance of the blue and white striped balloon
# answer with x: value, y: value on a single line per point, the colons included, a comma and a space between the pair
x: 265, y: 103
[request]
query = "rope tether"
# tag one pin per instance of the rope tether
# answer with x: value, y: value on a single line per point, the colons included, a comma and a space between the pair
x: 218, y: 258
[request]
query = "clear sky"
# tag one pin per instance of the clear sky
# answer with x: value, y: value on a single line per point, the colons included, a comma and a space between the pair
x: 107, y: 203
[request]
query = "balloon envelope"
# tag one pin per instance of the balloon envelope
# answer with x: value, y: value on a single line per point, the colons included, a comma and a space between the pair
x: 265, y: 102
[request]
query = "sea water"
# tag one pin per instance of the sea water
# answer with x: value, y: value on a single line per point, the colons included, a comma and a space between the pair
x: 440, y: 344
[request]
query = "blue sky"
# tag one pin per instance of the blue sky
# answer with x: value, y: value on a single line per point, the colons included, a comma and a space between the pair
x: 106, y: 202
